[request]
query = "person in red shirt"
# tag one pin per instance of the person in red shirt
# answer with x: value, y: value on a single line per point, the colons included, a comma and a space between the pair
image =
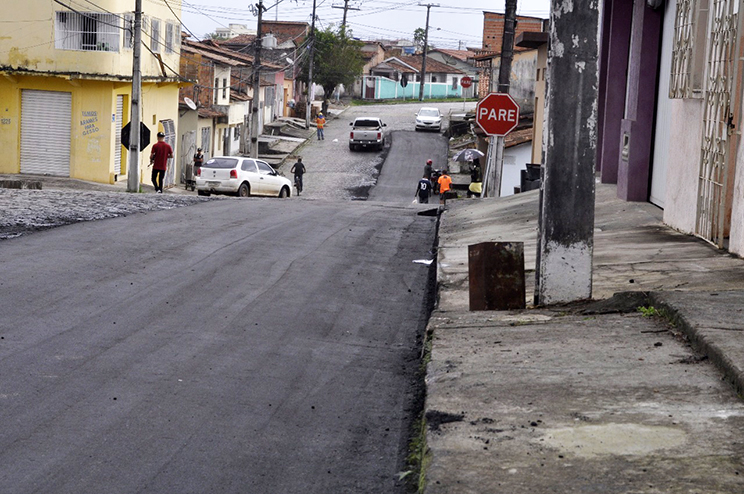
x: 445, y: 181
x: 159, y: 155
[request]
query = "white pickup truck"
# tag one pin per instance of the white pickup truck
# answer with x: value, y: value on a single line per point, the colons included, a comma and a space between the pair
x: 367, y: 132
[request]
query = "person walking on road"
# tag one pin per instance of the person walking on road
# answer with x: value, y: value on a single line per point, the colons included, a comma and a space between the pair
x: 427, y: 169
x: 320, y: 122
x: 161, y: 152
x: 423, y: 190
x: 444, y: 186
x: 198, y: 160
x: 299, y: 170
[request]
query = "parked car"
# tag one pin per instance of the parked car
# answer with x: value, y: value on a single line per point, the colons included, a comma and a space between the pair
x: 367, y: 132
x: 429, y: 119
x: 241, y: 176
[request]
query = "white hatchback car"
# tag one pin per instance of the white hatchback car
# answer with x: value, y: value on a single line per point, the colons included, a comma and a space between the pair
x: 242, y: 176
x: 429, y: 119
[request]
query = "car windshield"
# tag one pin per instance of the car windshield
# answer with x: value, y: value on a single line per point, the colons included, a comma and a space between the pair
x: 366, y: 123
x: 428, y: 113
x: 221, y: 163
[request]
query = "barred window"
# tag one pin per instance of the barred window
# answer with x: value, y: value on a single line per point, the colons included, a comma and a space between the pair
x: 169, y: 32
x: 86, y: 31
x: 128, y: 31
x: 155, y: 35
x: 688, y: 52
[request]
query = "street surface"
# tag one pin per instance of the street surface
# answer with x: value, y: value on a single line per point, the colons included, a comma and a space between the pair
x: 234, y: 345
x: 332, y: 167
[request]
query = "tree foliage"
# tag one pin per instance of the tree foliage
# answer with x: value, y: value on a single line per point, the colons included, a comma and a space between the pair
x: 337, y: 59
x: 419, y: 36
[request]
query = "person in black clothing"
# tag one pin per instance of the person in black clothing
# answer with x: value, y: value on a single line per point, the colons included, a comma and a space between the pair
x: 427, y: 170
x: 423, y: 190
x: 198, y: 160
x: 475, y: 171
x: 298, y: 169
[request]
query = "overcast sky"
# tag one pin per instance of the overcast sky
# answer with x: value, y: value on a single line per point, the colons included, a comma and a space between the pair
x: 453, y: 24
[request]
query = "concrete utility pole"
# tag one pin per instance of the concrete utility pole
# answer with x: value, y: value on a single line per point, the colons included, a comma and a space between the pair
x: 308, y: 106
x: 426, y: 46
x: 256, y: 83
x: 566, y: 237
x: 495, y: 160
x: 345, y: 7
x: 136, y: 111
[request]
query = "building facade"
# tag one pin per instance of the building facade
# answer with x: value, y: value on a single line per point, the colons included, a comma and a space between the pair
x: 670, y: 109
x: 66, y: 86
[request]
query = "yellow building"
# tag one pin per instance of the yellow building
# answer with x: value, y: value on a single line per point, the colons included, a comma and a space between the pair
x: 65, y: 85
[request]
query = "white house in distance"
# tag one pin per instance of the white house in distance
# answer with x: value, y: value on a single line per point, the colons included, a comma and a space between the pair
x: 233, y: 30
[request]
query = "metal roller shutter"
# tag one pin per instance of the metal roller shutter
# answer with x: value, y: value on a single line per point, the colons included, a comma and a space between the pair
x: 117, y: 133
x: 45, y: 132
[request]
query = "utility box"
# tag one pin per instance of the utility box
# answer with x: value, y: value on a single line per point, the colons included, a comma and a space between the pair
x: 496, y: 275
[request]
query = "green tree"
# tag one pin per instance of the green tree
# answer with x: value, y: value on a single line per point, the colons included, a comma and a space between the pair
x: 337, y: 60
x: 419, y: 35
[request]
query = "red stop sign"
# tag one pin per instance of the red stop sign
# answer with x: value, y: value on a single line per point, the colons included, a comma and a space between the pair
x: 466, y: 81
x: 497, y: 114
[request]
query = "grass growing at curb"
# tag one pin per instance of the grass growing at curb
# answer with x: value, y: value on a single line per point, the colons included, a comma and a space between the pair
x: 418, y: 458
x: 648, y: 311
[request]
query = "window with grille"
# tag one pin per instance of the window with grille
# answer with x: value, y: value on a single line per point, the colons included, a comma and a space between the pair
x: 86, y: 31
x: 169, y: 32
x: 128, y: 31
x: 155, y: 35
x: 224, y: 88
x: 688, y: 52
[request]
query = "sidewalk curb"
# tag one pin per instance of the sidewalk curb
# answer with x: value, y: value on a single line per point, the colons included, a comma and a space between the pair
x: 701, y: 339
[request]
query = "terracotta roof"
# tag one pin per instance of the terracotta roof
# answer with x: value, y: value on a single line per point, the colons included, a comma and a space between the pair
x: 517, y: 137
x: 209, y: 113
x: 236, y: 96
x: 431, y: 65
x: 241, y: 39
x: 188, y: 48
x: 458, y: 54
x: 485, y: 55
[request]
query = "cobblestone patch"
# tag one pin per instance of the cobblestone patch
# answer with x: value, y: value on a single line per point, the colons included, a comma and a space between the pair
x: 25, y: 211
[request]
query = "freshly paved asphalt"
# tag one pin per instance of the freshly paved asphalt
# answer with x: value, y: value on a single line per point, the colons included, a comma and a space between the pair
x: 231, y: 346
x: 404, y: 165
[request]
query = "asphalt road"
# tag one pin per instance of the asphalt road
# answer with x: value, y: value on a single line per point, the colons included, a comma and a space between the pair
x: 273, y: 348
x: 404, y: 165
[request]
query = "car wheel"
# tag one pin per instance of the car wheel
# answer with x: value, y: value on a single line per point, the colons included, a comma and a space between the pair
x: 351, y: 147
x: 284, y: 193
x: 244, y: 190
x: 202, y: 192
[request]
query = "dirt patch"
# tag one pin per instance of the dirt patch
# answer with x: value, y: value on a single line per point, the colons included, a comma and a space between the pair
x: 435, y: 419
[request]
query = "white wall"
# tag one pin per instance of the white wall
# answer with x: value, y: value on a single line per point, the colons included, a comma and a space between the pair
x: 515, y: 160
x: 736, y: 235
x: 685, y: 134
x: 222, y: 73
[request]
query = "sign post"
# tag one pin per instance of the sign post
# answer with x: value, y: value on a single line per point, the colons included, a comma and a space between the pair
x: 465, y: 82
x: 497, y: 114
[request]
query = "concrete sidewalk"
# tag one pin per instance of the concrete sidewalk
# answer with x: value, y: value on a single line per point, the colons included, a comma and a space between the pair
x: 594, y: 397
